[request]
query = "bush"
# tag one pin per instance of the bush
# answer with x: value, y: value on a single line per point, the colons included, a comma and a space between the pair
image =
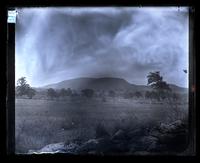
x: 112, y: 93
x: 51, y: 93
x: 88, y: 92
x: 31, y: 92
x: 63, y: 92
x: 128, y: 95
x: 138, y: 94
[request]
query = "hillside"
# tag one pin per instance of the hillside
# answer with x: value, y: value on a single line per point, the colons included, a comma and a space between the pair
x: 106, y: 83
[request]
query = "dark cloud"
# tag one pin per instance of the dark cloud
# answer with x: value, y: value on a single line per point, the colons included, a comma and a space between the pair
x: 55, y: 44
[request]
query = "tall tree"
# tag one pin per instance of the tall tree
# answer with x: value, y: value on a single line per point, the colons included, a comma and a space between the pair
x: 23, y: 88
x: 157, y: 83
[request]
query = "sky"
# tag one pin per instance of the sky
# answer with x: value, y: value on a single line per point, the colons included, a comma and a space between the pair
x: 56, y: 44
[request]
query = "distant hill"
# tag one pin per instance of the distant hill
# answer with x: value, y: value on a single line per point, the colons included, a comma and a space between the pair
x: 176, y: 88
x: 93, y: 83
x: 106, y: 83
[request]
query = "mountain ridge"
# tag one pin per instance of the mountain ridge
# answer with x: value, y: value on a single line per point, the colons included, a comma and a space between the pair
x: 104, y: 83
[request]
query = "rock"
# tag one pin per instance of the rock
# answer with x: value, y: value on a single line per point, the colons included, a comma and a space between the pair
x: 56, y: 148
x: 71, y: 148
x: 133, y: 133
x: 105, y: 146
x: 101, y: 131
x: 99, y: 146
x: 177, y: 126
x: 51, y: 148
x: 171, y: 137
x: 92, y: 141
x: 121, y: 147
x: 90, y: 145
x: 119, y: 135
x: 149, y: 143
x: 136, y: 134
x: 162, y: 138
x: 31, y: 151
x: 155, y: 133
x: 142, y: 153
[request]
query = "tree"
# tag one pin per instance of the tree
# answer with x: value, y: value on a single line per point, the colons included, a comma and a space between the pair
x: 138, y: 94
x: 63, y: 92
x: 128, y: 95
x: 69, y: 92
x: 147, y: 95
x: 24, y: 89
x: 175, y: 97
x: 88, y: 92
x: 51, y: 93
x: 157, y: 83
x: 22, y: 86
x: 153, y: 78
x: 154, y: 95
x: 111, y: 93
x: 31, y: 92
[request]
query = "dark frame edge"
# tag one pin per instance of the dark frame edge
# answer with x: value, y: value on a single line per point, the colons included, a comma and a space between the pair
x: 10, y: 91
x: 192, y: 83
x: 10, y: 99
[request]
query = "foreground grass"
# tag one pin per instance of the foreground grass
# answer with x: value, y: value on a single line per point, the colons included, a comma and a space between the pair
x: 42, y: 122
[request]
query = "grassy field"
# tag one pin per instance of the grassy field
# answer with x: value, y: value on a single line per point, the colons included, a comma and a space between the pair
x: 42, y: 122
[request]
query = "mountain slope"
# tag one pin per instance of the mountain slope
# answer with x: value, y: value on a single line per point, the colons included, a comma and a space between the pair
x: 93, y: 83
x: 106, y: 83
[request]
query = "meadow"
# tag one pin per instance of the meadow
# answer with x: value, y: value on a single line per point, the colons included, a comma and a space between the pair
x: 40, y: 122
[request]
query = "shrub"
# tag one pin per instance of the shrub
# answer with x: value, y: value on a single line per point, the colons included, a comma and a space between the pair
x: 88, y: 92
x: 138, y: 94
x: 51, y: 93
x: 112, y: 93
x: 31, y: 92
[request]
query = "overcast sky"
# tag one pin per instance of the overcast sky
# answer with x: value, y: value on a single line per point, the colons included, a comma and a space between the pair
x: 56, y: 44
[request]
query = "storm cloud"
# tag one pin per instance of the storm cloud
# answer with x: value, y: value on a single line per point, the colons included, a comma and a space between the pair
x: 55, y: 44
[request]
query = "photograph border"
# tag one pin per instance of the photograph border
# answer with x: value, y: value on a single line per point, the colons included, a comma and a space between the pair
x: 10, y: 67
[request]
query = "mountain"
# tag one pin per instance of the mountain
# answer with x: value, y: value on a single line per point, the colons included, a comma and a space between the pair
x: 93, y: 83
x: 176, y: 88
x: 106, y: 83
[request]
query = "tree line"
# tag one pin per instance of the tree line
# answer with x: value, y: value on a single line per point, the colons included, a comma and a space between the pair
x: 24, y: 89
x: 160, y: 90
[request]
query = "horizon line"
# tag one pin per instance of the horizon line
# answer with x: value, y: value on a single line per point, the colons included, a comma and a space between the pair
x: 101, y: 78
